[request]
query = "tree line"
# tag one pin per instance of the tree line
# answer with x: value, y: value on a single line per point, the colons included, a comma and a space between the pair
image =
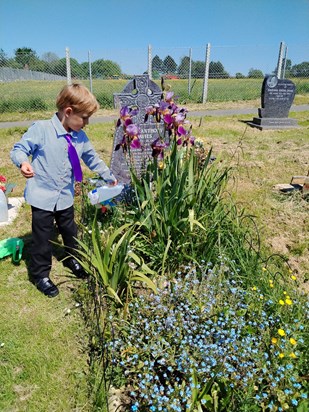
x: 27, y: 58
x: 169, y: 67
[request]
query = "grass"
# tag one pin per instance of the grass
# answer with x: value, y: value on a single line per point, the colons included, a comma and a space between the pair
x: 15, y: 116
x: 262, y: 160
x: 43, y: 350
x: 35, y: 96
x: 44, y: 347
x: 43, y: 342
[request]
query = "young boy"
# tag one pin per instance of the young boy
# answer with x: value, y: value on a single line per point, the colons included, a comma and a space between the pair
x: 50, y: 178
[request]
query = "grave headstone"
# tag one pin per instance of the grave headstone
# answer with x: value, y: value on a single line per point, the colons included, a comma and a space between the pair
x: 277, y: 96
x: 140, y: 93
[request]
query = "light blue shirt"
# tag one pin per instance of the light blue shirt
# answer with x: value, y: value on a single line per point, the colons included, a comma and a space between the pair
x: 52, y: 187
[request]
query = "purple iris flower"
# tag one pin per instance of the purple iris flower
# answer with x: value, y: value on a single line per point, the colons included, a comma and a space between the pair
x: 124, y: 111
x: 132, y: 130
x: 158, y: 147
x: 192, y: 140
x: 188, y: 140
x: 135, y: 143
x: 180, y: 117
x: 169, y: 96
x: 181, y: 131
x: 128, y: 121
x: 163, y: 106
x: 127, y: 111
x: 133, y: 112
x: 122, y: 144
x: 174, y: 108
x: 168, y: 118
x: 150, y: 110
x: 183, y: 110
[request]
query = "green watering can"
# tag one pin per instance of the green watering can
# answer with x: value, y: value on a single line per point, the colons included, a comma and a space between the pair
x: 12, y: 246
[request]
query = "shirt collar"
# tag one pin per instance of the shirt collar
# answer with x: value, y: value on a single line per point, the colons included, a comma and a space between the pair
x: 60, y: 130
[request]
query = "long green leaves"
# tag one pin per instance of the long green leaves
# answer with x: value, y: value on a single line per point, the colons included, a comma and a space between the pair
x: 171, y: 201
x: 112, y: 261
x: 184, y: 215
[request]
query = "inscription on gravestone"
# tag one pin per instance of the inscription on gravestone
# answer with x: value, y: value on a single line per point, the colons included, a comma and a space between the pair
x: 140, y: 92
x: 277, y: 96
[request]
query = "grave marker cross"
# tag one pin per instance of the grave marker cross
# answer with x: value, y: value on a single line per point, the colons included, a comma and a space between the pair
x: 140, y: 93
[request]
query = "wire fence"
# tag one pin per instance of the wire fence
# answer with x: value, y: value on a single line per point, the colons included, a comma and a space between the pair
x: 199, y: 75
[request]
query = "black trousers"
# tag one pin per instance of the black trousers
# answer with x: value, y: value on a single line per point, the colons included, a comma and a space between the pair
x: 43, y: 233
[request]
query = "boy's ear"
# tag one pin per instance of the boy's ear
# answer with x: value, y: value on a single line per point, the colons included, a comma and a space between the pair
x: 68, y: 111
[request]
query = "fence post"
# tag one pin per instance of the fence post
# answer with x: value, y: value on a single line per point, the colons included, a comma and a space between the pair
x: 150, y: 62
x: 190, y: 71
x: 280, y: 58
x: 206, y: 75
x: 90, y: 71
x: 68, y: 65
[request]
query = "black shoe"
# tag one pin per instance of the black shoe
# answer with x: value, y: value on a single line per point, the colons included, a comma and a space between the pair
x: 46, y: 286
x: 75, y: 267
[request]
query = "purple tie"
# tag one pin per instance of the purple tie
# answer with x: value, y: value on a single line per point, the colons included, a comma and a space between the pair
x: 77, y: 170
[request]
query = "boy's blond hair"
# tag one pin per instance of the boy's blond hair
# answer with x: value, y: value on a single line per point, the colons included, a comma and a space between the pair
x: 79, y: 98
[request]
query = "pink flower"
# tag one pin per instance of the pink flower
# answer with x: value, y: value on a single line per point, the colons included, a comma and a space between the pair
x: 181, y: 131
x: 158, y: 147
x: 163, y: 107
x: 127, y: 111
x: 130, y: 138
x: 150, y: 110
x: 132, y: 130
x: 180, y: 117
x: 168, y: 119
x: 124, y: 112
x: 135, y: 143
x: 169, y: 96
x: 128, y: 121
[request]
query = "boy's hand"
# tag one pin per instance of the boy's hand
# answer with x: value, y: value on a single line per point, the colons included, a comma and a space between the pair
x: 26, y: 170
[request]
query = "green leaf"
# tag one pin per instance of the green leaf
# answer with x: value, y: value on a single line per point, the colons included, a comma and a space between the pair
x: 169, y: 242
x: 141, y: 277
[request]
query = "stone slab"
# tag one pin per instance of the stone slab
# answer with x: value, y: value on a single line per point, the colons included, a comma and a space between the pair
x: 277, y: 96
x: 298, y: 180
x: 140, y: 92
x: 14, y: 203
x: 273, y: 123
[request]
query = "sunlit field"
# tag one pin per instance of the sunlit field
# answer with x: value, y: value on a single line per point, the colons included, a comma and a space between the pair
x: 28, y: 96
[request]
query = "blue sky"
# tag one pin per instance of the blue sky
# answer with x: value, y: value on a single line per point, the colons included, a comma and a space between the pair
x: 243, y: 34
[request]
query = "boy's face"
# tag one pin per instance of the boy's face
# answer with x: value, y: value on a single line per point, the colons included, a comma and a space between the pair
x: 74, y: 121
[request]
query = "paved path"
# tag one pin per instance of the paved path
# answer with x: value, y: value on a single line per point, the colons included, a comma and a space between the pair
x: 223, y: 112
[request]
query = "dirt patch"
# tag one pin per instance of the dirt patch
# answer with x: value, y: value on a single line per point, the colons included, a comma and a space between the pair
x: 24, y: 392
x: 279, y: 244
